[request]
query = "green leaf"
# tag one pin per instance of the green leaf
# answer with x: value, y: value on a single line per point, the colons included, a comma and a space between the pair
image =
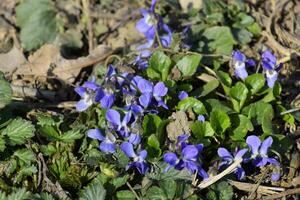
x: 192, y: 103
x: 238, y: 94
x: 219, y: 121
x: 212, y: 104
x: 25, y: 172
x: 5, y: 91
x: 125, y: 195
x: 206, y: 89
x: 169, y: 188
x: 25, y: 155
x: 202, y: 129
x: 2, y: 144
x: 151, y: 124
x: 120, y: 181
x: 18, y: 131
x: 153, y: 147
x: 220, y: 191
x: 155, y: 193
x: 225, y: 80
x: 39, y: 16
x: 18, y: 194
x: 243, y: 36
x: 219, y: 39
x: 159, y: 66
x: 255, y: 29
x: 188, y: 64
x: 94, y: 191
x: 242, y: 125
x: 70, y: 136
x: 255, y: 82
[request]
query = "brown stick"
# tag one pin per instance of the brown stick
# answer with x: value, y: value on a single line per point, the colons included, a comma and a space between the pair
x: 214, y: 179
x: 283, y: 194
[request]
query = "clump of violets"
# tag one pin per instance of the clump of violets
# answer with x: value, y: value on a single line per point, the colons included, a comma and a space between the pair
x: 258, y: 157
x: 270, y: 66
x: 240, y: 62
x: 187, y: 156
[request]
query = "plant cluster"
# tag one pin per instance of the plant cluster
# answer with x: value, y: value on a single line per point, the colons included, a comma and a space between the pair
x: 161, y: 131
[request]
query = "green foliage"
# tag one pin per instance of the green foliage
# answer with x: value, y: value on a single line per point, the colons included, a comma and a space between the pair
x: 38, y: 22
x: 5, y: 91
x: 192, y: 103
x: 220, y: 191
x: 18, y: 131
x: 159, y: 66
x: 219, y: 40
x: 188, y: 65
x: 220, y: 121
x: 202, y: 129
x: 94, y: 191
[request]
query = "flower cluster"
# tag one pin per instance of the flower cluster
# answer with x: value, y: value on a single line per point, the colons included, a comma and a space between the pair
x: 186, y: 156
x: 268, y: 62
x: 142, y: 96
x: 152, y: 26
x: 259, y: 156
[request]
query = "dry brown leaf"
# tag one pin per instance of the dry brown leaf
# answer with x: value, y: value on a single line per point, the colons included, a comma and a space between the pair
x: 11, y: 60
x: 179, y: 126
x: 187, y: 4
x: 47, y: 61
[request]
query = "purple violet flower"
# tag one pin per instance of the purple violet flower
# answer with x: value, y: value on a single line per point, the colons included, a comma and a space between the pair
x: 187, y: 157
x: 114, y: 118
x: 271, y: 69
x: 134, y: 139
x: 90, y: 93
x: 152, y: 23
x: 240, y: 62
x: 182, y: 95
x: 228, y: 159
x: 138, y: 159
x: 149, y: 92
x: 201, y: 118
x: 107, y: 144
x: 260, y: 151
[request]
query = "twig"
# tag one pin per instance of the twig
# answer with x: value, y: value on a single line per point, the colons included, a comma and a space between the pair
x: 290, y: 111
x: 25, y: 92
x: 264, y: 190
x: 283, y: 194
x: 214, y: 179
x: 22, y: 104
x: 255, y: 187
x: 132, y: 190
x: 86, y: 11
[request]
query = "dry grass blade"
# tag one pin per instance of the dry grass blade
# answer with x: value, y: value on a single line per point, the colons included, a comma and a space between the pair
x: 264, y: 190
x: 213, y: 179
x: 283, y: 194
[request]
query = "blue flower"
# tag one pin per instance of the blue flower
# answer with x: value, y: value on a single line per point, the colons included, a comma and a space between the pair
x: 152, y: 23
x: 134, y: 139
x: 228, y: 159
x: 201, y: 118
x: 259, y: 151
x: 114, y: 118
x: 182, y: 95
x: 149, y: 92
x: 186, y: 157
x: 90, y: 93
x: 138, y: 159
x: 240, y: 62
x: 271, y: 69
x: 107, y: 144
